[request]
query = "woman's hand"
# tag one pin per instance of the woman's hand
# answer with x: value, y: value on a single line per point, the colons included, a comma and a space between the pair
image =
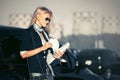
x: 47, y: 45
x: 59, y: 54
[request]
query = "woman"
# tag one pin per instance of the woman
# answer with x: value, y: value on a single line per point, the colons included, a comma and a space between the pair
x: 41, y: 54
x: 36, y: 46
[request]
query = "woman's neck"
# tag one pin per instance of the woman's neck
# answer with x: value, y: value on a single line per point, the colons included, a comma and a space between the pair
x: 38, y: 23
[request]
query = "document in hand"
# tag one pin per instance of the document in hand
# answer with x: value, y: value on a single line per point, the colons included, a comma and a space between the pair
x: 55, y: 44
x: 64, y: 47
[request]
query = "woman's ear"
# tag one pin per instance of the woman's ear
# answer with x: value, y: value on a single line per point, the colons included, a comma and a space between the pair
x: 38, y: 16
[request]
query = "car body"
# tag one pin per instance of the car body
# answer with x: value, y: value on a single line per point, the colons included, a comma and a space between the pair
x: 103, y: 62
x: 13, y: 67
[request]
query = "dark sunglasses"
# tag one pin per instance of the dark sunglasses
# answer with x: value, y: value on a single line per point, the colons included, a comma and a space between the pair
x: 48, y: 19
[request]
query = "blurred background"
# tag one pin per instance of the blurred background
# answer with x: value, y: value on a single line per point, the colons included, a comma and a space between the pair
x: 86, y: 24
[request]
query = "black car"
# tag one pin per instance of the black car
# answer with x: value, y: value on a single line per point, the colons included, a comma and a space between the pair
x: 103, y: 62
x: 13, y: 67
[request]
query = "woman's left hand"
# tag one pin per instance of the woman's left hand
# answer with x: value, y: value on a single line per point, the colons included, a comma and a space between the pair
x: 59, y: 54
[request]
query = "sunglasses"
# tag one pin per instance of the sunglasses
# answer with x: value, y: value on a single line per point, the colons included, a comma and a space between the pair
x: 48, y: 19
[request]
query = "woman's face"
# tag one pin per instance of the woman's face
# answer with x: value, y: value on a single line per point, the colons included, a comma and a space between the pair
x: 44, y: 19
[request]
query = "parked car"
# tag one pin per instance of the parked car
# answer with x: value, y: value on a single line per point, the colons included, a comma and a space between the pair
x: 103, y: 62
x: 13, y: 67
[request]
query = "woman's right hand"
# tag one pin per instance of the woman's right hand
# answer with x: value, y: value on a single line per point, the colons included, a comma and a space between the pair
x: 47, y: 45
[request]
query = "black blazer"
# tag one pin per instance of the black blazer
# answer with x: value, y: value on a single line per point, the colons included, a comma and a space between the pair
x: 31, y: 40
